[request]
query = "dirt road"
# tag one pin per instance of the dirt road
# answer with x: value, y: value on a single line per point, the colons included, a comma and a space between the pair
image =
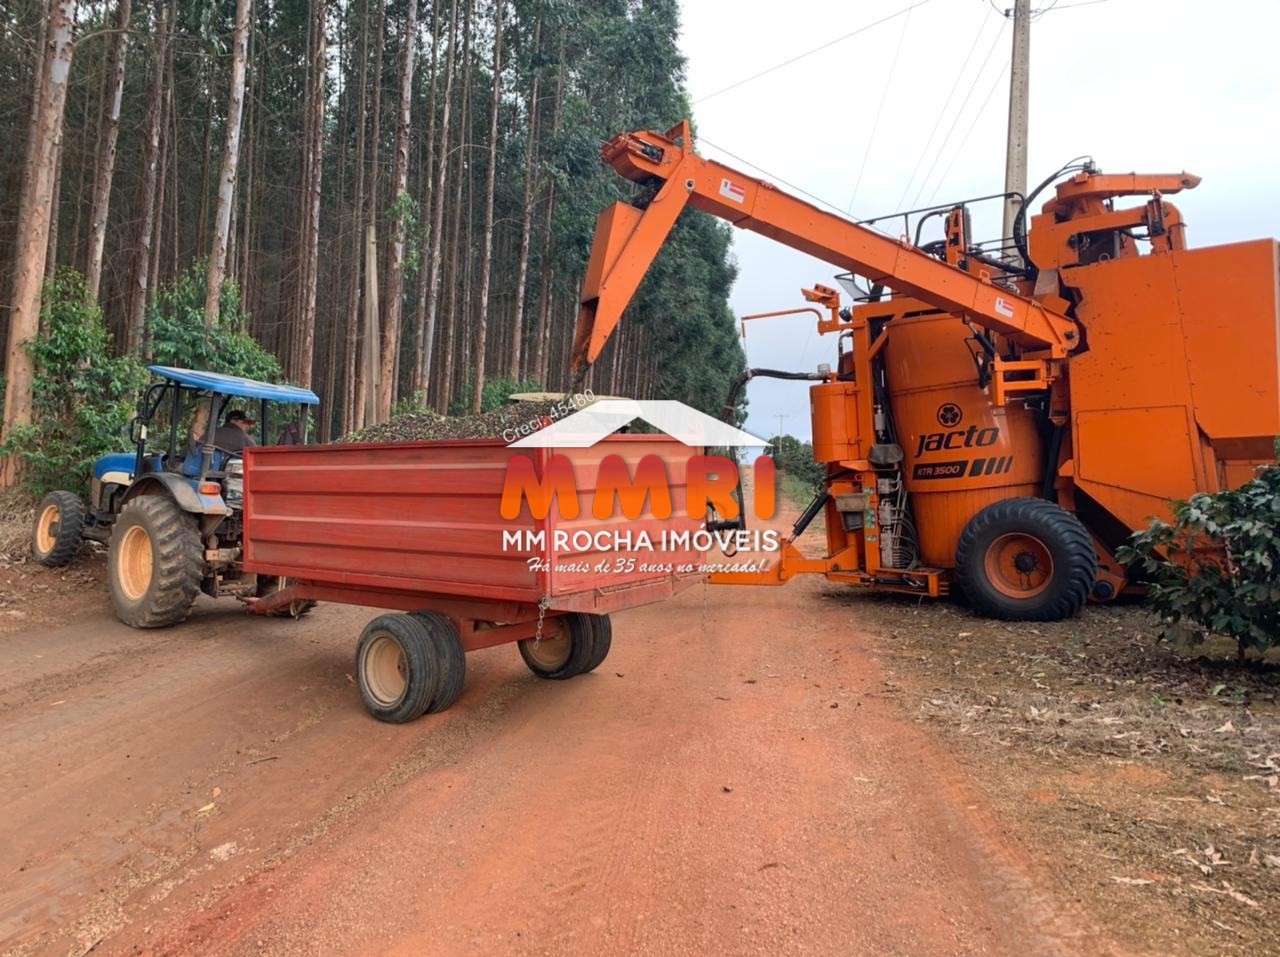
x: 732, y: 780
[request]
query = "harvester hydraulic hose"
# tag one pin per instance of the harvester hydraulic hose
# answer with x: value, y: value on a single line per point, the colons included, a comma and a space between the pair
x: 727, y: 416
x: 1020, y: 220
x: 731, y: 403
x: 1051, y: 461
x: 819, y: 502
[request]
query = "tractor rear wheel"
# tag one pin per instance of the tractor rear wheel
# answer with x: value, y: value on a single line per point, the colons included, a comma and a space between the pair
x: 55, y: 535
x: 397, y: 668
x: 564, y: 650
x: 1026, y: 559
x: 155, y: 562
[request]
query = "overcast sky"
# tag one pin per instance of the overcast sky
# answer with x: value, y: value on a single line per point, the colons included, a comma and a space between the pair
x: 1146, y: 85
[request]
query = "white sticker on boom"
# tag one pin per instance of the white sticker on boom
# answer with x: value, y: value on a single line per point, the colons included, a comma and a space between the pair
x: 731, y: 190
x: 1004, y: 308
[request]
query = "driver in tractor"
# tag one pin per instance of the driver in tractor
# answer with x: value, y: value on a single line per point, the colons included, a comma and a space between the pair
x: 235, y: 433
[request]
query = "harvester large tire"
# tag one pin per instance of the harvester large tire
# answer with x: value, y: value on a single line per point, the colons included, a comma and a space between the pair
x: 397, y: 668
x: 55, y: 534
x: 565, y: 649
x: 155, y: 562
x: 1026, y: 559
x: 451, y: 660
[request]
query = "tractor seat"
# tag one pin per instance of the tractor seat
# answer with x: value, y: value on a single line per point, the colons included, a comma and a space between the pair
x: 191, y: 464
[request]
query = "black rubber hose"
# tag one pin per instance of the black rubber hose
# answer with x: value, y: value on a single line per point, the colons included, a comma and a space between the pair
x: 1056, y: 434
x: 819, y: 502
x: 731, y: 403
x: 1020, y: 221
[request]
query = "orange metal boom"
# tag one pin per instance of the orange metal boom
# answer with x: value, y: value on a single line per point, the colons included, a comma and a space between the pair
x: 628, y: 239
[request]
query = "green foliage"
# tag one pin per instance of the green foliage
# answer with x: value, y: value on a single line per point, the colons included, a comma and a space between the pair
x: 176, y: 332
x: 795, y: 458
x: 82, y: 399
x: 1216, y: 568
x: 495, y: 395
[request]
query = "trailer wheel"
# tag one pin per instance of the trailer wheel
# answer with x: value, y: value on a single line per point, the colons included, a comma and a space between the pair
x: 55, y: 535
x: 564, y: 650
x: 451, y: 659
x: 601, y: 641
x: 397, y: 668
x: 1026, y: 559
x: 155, y: 563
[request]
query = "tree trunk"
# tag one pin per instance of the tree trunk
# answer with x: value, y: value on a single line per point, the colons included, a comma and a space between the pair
x: 486, y: 250
x: 202, y: 224
x: 313, y: 166
x: 394, y: 294
x: 33, y: 239
x: 544, y: 300
x: 147, y: 187
x: 367, y: 383
x: 55, y: 208
x: 437, y: 219
x: 416, y: 384
x: 230, y: 161
x: 353, y: 409
x: 449, y: 343
x: 526, y: 219
x: 107, y: 152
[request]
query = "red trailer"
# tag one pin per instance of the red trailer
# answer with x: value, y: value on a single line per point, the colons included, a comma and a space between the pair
x: 416, y: 527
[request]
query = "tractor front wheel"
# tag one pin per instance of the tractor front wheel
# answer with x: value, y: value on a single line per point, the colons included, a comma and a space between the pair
x: 55, y: 536
x: 1026, y: 559
x: 155, y: 563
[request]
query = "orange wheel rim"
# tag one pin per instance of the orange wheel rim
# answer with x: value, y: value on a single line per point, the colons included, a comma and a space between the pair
x: 47, y: 529
x: 1019, y: 565
x: 134, y: 566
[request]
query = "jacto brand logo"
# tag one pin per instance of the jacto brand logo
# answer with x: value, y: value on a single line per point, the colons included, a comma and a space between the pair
x: 710, y: 480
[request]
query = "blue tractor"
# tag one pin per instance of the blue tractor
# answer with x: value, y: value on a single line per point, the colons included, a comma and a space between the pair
x: 170, y: 511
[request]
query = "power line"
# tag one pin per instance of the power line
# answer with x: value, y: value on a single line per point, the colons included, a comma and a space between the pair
x: 977, y: 116
x: 960, y: 112
x: 924, y: 150
x: 817, y: 49
x: 775, y: 179
x: 875, y: 124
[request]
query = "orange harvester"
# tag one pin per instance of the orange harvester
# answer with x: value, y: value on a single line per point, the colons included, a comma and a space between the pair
x: 1001, y: 426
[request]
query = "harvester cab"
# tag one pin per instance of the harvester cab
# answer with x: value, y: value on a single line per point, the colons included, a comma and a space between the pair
x: 169, y: 510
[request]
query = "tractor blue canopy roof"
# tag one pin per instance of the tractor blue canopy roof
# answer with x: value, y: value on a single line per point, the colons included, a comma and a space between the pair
x: 235, y: 385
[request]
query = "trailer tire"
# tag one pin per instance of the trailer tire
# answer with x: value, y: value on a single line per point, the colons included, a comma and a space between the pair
x: 1026, y: 559
x: 601, y: 641
x: 55, y: 534
x: 565, y: 649
x: 155, y: 563
x: 397, y: 668
x: 451, y: 659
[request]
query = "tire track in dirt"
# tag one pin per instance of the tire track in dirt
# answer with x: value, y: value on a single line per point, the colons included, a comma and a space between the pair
x: 647, y: 814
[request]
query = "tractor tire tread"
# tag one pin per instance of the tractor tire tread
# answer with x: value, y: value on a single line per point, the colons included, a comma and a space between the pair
x: 177, y: 563
x: 67, y: 542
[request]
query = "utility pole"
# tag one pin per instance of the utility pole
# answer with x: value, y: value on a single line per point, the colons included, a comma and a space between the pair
x: 1015, y: 164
